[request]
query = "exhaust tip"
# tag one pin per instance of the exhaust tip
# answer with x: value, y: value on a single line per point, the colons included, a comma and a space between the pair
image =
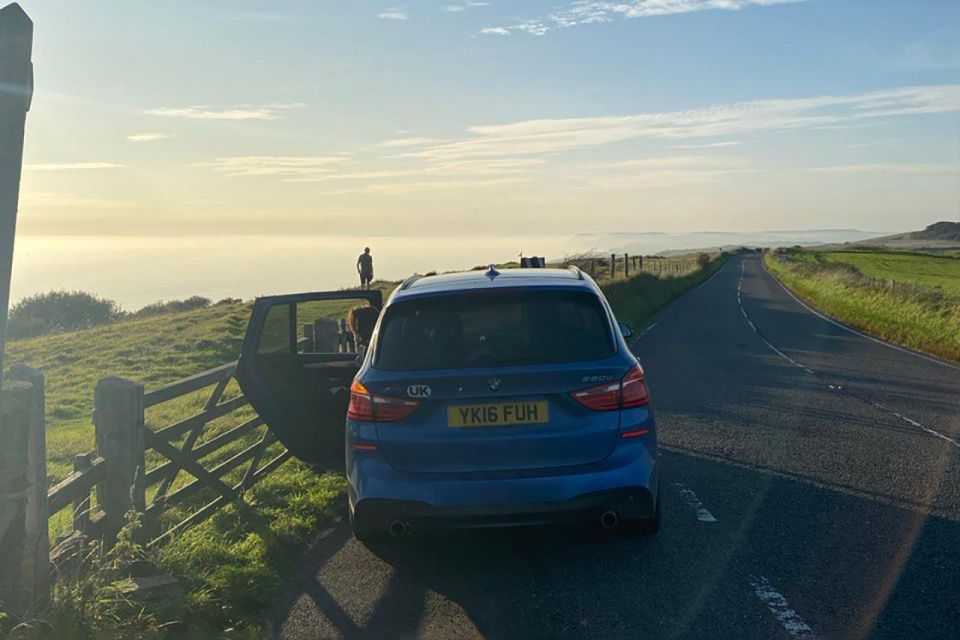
x: 397, y: 528
x: 609, y: 519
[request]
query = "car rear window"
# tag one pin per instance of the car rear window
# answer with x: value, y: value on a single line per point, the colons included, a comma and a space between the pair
x: 494, y: 329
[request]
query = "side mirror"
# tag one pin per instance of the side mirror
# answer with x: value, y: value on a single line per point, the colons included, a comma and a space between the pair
x: 625, y: 329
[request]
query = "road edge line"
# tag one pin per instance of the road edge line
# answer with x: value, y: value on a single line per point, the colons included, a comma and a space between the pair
x: 878, y: 340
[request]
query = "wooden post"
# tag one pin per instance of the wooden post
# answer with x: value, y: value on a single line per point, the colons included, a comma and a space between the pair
x: 16, y: 398
x: 626, y: 265
x: 326, y: 335
x: 308, y: 335
x: 16, y: 90
x: 613, y: 265
x: 81, y: 506
x: 118, y: 420
x: 36, y: 556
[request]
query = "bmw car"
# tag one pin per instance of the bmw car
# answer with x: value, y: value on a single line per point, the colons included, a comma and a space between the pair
x: 485, y: 399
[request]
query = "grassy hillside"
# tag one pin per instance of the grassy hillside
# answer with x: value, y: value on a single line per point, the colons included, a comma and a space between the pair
x: 925, y: 270
x: 910, y: 299
x: 938, y: 238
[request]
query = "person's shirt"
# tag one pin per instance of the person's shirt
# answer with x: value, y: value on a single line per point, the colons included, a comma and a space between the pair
x: 361, y: 354
x: 366, y: 262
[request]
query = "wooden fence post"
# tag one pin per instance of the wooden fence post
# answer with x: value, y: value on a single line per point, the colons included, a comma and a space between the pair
x: 15, y: 404
x: 36, y: 556
x: 326, y: 335
x: 308, y: 336
x: 626, y: 265
x: 613, y: 265
x: 16, y: 90
x: 118, y: 419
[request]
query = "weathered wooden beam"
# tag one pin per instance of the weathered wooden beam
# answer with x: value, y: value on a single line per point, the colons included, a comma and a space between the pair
x: 16, y: 91
x: 36, y: 557
x: 188, y: 424
x: 189, y: 465
x: 190, y: 489
x: 15, y: 406
x: 118, y: 421
x: 187, y: 385
x: 209, y: 509
x: 74, y: 486
x: 225, y: 438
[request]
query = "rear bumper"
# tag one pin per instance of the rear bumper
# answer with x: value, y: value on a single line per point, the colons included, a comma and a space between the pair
x: 629, y: 503
x: 625, y: 482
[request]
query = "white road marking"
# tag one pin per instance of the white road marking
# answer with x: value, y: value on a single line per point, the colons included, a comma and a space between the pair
x: 691, y: 499
x: 854, y: 331
x: 704, y: 283
x: 780, y: 608
x: 932, y: 432
x: 644, y: 332
x: 780, y: 353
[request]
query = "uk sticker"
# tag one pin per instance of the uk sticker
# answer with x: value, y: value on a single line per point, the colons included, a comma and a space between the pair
x: 418, y: 391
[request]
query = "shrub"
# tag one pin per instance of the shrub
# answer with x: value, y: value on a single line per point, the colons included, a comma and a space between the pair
x: 58, y: 311
x: 188, y: 304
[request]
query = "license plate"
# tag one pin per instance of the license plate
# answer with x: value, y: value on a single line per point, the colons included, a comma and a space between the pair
x: 499, y: 414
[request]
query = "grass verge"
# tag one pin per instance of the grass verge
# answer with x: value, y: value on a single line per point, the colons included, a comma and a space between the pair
x: 640, y: 297
x: 900, y: 306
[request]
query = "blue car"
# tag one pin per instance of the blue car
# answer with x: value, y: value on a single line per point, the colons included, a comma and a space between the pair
x: 484, y: 399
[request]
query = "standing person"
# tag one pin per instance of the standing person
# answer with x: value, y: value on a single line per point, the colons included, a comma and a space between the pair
x: 365, y: 268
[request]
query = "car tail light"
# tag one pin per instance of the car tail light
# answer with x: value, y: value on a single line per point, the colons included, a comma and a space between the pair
x: 369, y: 407
x: 630, y: 391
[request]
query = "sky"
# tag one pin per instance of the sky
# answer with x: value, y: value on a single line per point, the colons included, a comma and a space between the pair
x: 189, y: 118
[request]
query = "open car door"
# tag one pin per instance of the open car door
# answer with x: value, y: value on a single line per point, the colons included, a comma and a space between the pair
x: 296, y: 366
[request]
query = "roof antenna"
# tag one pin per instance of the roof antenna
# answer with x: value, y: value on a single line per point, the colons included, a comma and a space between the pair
x: 492, y: 272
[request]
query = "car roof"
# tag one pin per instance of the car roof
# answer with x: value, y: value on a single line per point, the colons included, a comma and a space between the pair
x: 481, y: 280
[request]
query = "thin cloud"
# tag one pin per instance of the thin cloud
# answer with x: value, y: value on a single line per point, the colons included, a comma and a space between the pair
x: 244, y: 166
x: 708, y: 145
x: 410, y: 142
x: 902, y: 168
x: 46, y: 200
x: 271, y: 111
x: 662, y: 172
x: 403, y: 188
x: 71, y: 166
x: 450, y: 169
x: 547, y: 136
x: 582, y: 12
x: 463, y: 6
x: 147, y: 137
x: 394, y: 13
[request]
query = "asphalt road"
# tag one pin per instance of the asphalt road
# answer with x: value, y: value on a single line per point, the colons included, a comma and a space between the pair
x: 811, y: 487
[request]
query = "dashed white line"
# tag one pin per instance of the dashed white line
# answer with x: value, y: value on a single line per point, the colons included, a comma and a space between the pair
x: 691, y: 499
x: 780, y: 608
x: 780, y: 353
x: 644, y: 332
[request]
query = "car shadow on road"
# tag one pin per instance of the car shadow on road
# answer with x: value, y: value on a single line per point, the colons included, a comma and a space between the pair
x: 848, y: 564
